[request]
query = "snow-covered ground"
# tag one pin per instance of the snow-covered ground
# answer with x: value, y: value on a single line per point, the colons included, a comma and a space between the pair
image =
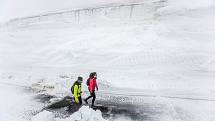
x: 161, y: 51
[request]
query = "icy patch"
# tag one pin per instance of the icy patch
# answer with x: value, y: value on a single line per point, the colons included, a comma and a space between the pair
x: 84, y: 114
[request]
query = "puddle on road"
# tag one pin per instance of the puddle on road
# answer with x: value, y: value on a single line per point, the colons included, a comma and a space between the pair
x: 110, y: 110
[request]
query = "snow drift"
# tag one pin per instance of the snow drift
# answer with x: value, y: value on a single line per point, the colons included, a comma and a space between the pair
x: 84, y: 114
x: 160, y: 47
x: 159, y: 51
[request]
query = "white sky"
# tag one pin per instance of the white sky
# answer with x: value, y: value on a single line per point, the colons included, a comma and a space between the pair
x: 10, y: 9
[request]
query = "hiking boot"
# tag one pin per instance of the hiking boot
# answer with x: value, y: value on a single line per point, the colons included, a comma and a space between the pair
x: 85, y: 101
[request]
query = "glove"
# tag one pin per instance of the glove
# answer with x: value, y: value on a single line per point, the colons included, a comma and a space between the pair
x: 97, y: 88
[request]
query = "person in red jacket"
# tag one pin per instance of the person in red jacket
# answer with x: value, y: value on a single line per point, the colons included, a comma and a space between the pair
x: 92, y: 84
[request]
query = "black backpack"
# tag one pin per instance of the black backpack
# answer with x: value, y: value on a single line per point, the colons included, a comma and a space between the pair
x: 88, y: 82
x: 72, y: 88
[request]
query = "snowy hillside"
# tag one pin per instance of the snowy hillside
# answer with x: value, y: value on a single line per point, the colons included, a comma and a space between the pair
x: 161, y: 48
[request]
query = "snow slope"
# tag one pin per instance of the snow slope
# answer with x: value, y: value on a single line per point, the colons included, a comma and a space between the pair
x: 159, y: 47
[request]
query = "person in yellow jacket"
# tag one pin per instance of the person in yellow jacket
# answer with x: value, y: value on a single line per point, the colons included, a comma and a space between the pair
x: 76, y: 91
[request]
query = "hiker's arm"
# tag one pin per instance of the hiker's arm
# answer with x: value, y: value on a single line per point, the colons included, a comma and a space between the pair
x: 96, y: 85
x: 76, y: 93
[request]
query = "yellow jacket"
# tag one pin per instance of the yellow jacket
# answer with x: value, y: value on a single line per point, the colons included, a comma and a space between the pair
x: 77, y: 92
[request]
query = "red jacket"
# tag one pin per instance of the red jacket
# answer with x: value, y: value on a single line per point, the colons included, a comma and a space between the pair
x: 93, y: 85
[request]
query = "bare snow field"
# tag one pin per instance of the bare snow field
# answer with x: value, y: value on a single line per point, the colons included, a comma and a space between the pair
x: 157, y: 55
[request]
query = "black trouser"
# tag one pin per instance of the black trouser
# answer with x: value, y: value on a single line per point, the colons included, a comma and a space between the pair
x: 80, y: 100
x: 92, y: 95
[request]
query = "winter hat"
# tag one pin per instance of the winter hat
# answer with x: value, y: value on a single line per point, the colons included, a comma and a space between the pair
x: 80, y: 78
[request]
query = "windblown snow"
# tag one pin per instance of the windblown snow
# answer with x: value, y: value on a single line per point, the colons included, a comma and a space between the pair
x: 161, y: 48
